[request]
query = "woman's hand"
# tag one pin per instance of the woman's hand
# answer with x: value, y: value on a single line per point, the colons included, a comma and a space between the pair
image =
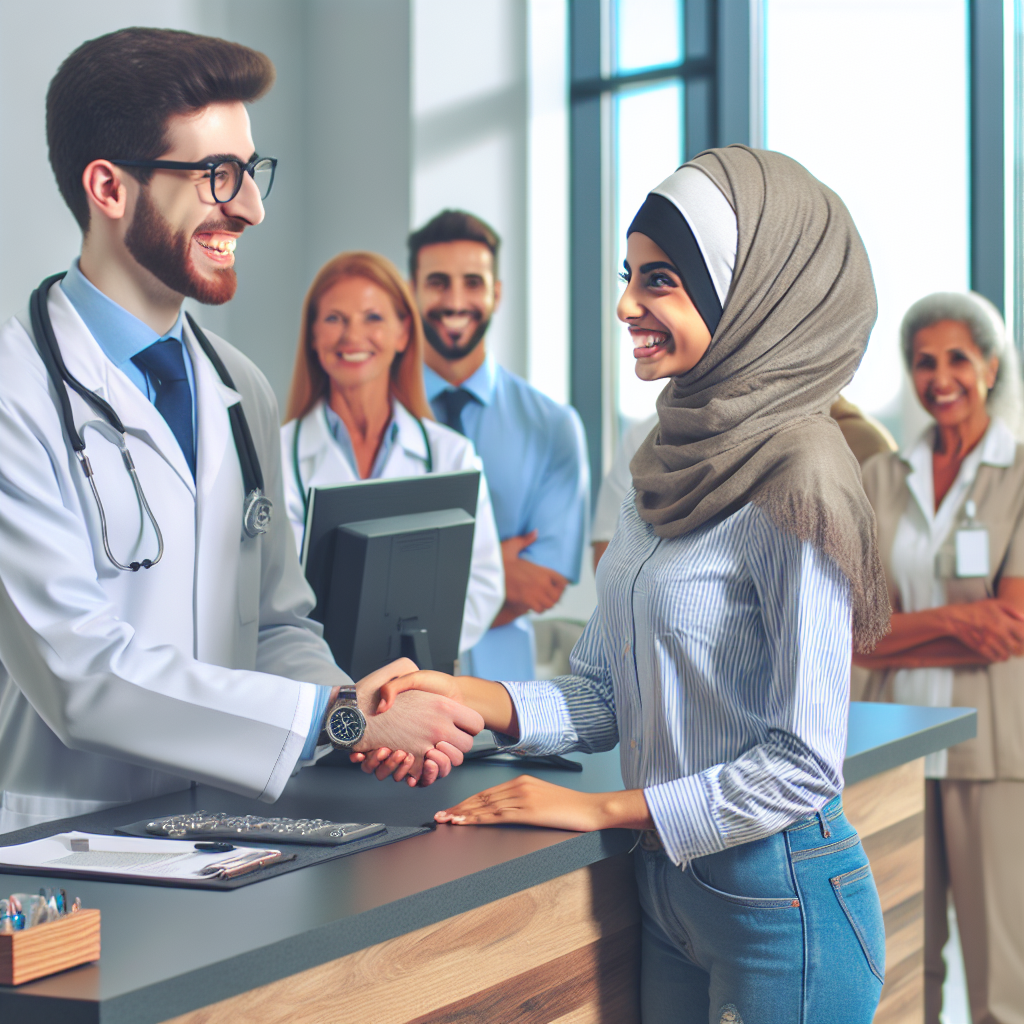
x: 530, y: 801
x: 430, y: 682
x: 437, y: 731
x: 974, y: 633
x: 488, y: 699
x: 382, y: 762
x: 993, y: 628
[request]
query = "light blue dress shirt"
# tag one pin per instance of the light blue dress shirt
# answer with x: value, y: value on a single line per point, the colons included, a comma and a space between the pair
x: 339, y: 432
x: 719, y: 661
x: 121, y: 336
x: 535, y: 459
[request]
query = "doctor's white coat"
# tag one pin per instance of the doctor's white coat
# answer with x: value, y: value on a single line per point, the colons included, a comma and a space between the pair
x: 321, y: 463
x: 117, y: 686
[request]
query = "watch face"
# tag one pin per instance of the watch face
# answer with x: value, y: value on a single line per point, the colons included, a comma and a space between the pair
x: 345, y: 725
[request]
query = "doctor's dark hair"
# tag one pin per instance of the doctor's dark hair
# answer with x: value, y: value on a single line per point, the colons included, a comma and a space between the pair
x: 310, y: 383
x: 453, y: 226
x: 112, y: 97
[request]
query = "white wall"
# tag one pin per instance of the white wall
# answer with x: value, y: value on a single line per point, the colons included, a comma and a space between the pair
x: 38, y: 234
x: 469, y: 136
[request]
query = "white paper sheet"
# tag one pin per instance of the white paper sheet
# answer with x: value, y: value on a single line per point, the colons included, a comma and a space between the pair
x: 127, y: 856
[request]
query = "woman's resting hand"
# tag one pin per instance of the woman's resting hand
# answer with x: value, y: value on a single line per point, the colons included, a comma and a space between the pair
x: 994, y: 628
x: 530, y: 801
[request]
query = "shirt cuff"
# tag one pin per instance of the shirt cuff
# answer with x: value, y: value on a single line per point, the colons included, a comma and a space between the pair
x: 316, y: 723
x: 682, y: 814
x: 545, y: 726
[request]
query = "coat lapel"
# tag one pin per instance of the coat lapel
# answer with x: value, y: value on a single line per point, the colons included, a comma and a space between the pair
x: 323, y: 462
x: 87, y: 362
x: 219, y: 508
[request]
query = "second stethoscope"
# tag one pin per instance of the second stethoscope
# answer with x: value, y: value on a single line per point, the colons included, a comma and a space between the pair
x: 257, y: 509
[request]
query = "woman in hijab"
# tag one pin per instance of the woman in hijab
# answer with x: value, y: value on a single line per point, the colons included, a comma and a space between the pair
x: 743, y: 566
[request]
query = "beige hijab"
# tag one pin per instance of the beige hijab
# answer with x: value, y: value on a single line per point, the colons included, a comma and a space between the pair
x: 750, y: 422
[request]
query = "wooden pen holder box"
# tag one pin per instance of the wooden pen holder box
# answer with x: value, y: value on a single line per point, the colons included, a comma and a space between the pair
x: 49, y: 948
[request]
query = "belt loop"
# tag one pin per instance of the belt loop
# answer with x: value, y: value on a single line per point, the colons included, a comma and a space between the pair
x: 826, y: 832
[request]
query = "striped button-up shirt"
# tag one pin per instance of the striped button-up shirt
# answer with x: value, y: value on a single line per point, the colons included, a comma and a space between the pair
x: 720, y: 661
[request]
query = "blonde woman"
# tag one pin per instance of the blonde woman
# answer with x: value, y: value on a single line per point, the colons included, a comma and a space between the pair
x: 357, y: 410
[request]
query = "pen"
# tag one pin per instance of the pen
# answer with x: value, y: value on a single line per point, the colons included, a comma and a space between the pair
x: 242, y: 863
x: 254, y: 865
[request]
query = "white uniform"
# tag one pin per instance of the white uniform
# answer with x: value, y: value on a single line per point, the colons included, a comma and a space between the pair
x: 118, y: 686
x: 618, y: 480
x: 321, y: 463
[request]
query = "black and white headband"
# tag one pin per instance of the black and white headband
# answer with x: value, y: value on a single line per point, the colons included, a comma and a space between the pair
x: 688, y: 216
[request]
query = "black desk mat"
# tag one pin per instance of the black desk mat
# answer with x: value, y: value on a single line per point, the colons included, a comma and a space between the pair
x: 305, y: 855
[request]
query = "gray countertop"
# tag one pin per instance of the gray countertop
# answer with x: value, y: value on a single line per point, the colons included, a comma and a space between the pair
x: 168, y: 951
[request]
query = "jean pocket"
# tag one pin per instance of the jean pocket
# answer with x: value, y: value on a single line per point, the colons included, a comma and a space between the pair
x: 753, y: 902
x: 858, y: 897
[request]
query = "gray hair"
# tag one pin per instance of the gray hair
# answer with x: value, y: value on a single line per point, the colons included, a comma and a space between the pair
x: 988, y: 332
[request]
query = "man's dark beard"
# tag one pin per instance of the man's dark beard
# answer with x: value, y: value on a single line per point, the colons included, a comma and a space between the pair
x: 453, y: 353
x: 166, y: 255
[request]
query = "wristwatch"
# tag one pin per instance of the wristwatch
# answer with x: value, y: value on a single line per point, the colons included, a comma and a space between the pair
x: 345, y: 723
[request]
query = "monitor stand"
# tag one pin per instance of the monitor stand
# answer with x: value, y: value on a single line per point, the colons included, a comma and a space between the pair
x: 414, y: 644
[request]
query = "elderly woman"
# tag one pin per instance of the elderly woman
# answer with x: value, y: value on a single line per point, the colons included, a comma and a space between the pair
x: 357, y: 410
x: 950, y: 513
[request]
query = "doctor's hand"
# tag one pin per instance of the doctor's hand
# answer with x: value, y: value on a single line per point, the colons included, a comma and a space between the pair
x: 529, y: 587
x: 420, y: 737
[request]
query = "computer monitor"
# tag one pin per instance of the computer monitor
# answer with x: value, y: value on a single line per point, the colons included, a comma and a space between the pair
x: 389, y: 562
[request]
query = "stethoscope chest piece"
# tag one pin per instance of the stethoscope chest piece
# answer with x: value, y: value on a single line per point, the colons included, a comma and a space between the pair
x: 258, y: 513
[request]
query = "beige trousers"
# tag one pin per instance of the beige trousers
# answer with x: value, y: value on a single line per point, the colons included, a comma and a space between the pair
x: 974, y: 846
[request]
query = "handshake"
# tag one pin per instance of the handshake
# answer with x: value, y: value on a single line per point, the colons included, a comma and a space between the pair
x: 417, y: 726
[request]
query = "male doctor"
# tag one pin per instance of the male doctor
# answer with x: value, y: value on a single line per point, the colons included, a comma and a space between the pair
x: 122, y: 682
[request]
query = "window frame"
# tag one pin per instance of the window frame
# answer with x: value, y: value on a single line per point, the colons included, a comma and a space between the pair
x: 722, y: 104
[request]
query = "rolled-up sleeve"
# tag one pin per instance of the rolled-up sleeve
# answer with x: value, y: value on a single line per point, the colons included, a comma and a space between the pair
x: 568, y: 713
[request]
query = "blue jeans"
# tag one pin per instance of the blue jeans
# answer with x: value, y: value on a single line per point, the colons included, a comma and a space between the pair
x: 784, y: 930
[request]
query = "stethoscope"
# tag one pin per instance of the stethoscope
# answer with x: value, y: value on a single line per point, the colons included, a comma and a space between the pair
x: 257, y: 509
x: 297, y: 469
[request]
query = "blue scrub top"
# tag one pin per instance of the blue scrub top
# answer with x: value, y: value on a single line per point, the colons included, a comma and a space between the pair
x: 534, y: 453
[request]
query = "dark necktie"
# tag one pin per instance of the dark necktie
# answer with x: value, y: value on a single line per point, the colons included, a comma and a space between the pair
x: 453, y: 402
x: 164, y: 364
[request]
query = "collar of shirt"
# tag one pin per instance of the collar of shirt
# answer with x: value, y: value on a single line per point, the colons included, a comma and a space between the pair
x: 481, y: 385
x: 340, y: 433
x: 120, y: 334
x: 997, y: 448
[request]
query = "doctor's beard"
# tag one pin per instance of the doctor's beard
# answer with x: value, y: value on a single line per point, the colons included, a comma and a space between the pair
x: 454, y: 352
x: 165, y: 255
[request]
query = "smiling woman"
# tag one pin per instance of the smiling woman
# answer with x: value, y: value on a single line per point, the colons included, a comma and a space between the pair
x: 742, y: 569
x: 357, y: 410
x: 950, y: 512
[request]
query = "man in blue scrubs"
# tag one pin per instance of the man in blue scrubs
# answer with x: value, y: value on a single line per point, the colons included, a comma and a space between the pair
x: 533, y: 449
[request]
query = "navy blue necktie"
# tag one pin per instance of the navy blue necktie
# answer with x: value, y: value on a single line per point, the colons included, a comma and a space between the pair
x: 164, y: 364
x: 453, y: 402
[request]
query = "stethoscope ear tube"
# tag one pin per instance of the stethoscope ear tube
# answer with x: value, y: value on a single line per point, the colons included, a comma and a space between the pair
x: 258, y: 508
x: 43, y: 331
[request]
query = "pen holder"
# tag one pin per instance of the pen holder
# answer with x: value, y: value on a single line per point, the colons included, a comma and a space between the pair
x: 48, y: 948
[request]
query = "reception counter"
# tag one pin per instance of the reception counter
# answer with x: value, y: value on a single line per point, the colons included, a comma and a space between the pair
x: 520, y: 924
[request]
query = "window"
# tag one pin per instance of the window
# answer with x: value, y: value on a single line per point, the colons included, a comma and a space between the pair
x: 643, y: 99
x: 872, y: 98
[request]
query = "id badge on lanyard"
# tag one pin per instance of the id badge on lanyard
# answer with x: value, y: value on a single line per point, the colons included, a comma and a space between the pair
x: 971, y: 543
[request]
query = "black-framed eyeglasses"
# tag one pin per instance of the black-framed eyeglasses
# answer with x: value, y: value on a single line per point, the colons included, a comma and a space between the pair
x: 226, y: 176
